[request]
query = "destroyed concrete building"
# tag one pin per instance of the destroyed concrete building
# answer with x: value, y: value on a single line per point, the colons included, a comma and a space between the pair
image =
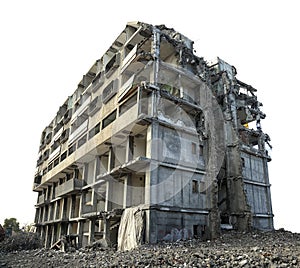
x: 155, y: 143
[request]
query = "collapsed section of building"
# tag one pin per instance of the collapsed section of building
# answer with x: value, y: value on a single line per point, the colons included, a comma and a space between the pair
x: 154, y: 144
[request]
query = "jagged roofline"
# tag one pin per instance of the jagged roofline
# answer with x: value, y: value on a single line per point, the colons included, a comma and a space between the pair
x: 121, y: 40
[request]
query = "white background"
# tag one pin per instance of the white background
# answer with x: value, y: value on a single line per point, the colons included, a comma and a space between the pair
x: 46, y: 47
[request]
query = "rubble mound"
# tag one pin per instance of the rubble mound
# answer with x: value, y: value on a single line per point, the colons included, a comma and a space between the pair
x: 20, y: 241
x: 232, y: 249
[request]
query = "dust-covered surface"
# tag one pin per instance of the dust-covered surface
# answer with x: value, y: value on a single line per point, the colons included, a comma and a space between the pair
x: 232, y: 249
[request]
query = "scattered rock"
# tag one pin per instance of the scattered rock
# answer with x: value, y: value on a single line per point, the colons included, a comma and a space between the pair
x: 232, y: 249
x: 243, y: 262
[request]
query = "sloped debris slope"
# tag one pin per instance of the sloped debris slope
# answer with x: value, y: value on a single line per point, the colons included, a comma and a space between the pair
x: 232, y: 249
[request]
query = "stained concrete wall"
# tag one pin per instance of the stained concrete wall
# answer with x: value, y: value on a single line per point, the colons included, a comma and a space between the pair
x: 176, y: 147
x: 257, y: 188
x: 175, y: 188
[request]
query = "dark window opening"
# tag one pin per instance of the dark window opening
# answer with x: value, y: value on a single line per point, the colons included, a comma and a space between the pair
x: 58, y: 127
x: 224, y: 219
x: 65, y: 135
x: 94, y: 131
x: 112, y: 65
x: 81, y: 141
x: 56, y: 162
x: 128, y: 104
x: 195, y: 231
x: 54, y: 146
x: 50, y: 166
x: 48, y: 137
x: 109, y: 119
x: 68, y: 176
x: 201, y: 150
x: 67, y: 116
x: 38, y: 179
x: 127, y: 49
x: 63, y: 156
x: 71, y: 149
x: 195, y: 186
x: 43, y: 144
x: 46, y: 154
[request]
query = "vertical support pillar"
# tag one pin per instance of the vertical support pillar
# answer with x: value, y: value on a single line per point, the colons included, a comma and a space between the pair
x: 155, y: 50
x: 91, y: 231
x: 268, y: 192
x: 151, y: 179
x: 80, y: 233
x: 65, y: 209
x: 97, y: 166
x: 111, y: 159
x: 53, y: 234
x: 85, y: 173
x: 54, y: 209
x: 73, y: 204
x: 129, y: 148
x: 46, y: 236
x: 127, y: 197
x: 108, y: 196
x: 152, y: 152
x: 106, y: 233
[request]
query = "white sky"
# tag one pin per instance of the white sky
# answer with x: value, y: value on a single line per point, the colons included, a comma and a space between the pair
x: 46, y: 47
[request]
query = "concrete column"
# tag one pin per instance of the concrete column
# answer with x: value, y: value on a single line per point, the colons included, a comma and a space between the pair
x: 106, y: 231
x: 111, y: 159
x: 54, y: 214
x: 108, y: 196
x: 97, y: 167
x: 155, y: 50
x: 151, y: 226
x: 72, y: 205
x: 81, y: 204
x: 46, y: 236
x: 151, y: 180
x: 37, y: 215
x: 152, y: 152
x: 127, y: 191
x: 80, y: 233
x: 65, y: 208
x: 129, y: 148
x: 53, y: 234
x: 85, y: 173
x: 91, y: 231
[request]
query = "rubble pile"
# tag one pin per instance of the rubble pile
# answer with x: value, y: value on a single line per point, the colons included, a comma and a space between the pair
x: 20, y: 241
x: 232, y: 249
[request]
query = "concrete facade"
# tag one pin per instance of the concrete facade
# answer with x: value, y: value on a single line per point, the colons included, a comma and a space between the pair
x: 151, y: 125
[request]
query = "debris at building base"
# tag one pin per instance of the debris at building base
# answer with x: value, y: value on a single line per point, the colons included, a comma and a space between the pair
x: 21, y: 241
x: 231, y: 249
